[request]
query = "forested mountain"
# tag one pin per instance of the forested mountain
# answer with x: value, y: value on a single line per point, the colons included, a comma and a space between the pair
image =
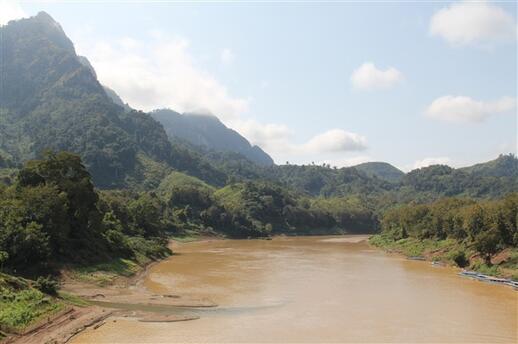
x: 49, y: 99
x: 381, y: 170
x: 442, y: 180
x: 208, y: 131
x: 503, y: 166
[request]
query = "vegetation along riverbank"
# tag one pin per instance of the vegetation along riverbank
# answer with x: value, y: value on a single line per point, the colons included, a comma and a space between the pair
x: 476, y: 235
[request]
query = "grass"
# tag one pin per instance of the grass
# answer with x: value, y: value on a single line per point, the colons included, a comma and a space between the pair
x: 444, y: 250
x: 73, y: 299
x: 105, y: 273
x: 493, y: 270
x: 21, y: 305
x: 186, y: 238
x: 436, y: 250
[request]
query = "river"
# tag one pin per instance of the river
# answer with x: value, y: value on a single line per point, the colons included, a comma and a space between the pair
x: 316, y: 289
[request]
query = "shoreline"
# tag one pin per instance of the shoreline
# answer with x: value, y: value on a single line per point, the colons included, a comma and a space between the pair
x: 426, y: 258
x: 116, y: 300
x: 125, y: 295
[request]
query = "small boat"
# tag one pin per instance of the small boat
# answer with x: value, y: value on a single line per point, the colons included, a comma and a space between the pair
x: 469, y: 273
x: 513, y: 284
x: 497, y: 280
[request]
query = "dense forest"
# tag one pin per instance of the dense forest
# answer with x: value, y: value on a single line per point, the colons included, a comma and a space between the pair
x: 53, y: 214
x: 465, y: 231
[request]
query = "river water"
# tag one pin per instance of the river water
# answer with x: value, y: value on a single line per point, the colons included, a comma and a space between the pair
x: 317, y: 290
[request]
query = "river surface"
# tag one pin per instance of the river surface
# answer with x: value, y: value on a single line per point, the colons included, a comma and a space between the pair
x: 317, y: 290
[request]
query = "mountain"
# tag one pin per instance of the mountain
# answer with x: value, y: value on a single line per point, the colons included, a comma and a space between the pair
x: 381, y: 170
x: 442, y: 180
x: 116, y: 99
x: 503, y: 166
x: 208, y: 131
x: 50, y: 98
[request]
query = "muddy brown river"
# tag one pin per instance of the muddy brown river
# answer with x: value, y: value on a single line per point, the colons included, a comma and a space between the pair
x: 316, y: 290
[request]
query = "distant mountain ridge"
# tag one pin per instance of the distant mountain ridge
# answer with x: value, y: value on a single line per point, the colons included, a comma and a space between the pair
x: 210, y: 132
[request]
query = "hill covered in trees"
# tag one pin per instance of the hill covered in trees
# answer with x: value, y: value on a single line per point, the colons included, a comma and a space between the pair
x: 49, y: 99
x: 381, y: 170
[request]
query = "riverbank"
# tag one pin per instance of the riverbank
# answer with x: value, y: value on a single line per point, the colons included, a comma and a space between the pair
x: 451, y: 253
x: 87, y: 297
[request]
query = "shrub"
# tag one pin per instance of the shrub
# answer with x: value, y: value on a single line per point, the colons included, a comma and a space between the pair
x: 459, y: 257
x: 46, y: 285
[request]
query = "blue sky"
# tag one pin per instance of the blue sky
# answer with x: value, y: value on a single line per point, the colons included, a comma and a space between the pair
x: 407, y: 83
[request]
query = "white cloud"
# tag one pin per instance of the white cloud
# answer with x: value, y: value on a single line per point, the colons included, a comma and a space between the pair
x: 277, y: 140
x: 464, y: 23
x: 270, y: 136
x: 227, y: 56
x: 10, y: 10
x: 431, y: 161
x: 368, y: 76
x: 163, y: 73
x: 335, y: 140
x: 129, y: 43
x: 466, y: 109
x: 159, y: 72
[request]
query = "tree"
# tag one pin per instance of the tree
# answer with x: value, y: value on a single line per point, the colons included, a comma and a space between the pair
x: 3, y: 258
x: 487, y: 244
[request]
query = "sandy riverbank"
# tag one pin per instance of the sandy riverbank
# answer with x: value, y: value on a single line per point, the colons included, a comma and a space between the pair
x: 124, y: 298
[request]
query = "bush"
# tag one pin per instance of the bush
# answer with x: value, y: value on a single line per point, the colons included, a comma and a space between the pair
x: 46, y: 285
x: 459, y: 257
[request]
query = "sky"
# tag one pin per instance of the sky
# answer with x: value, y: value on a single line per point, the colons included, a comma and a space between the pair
x: 409, y: 83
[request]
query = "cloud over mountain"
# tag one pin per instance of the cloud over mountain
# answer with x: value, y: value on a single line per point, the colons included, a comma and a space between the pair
x: 164, y: 74
x: 10, y: 10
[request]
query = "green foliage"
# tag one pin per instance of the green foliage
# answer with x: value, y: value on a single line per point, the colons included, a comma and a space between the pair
x: 469, y: 227
x: 3, y: 258
x: 492, y: 270
x: 381, y: 170
x: 349, y: 213
x: 51, y: 99
x: 459, y: 258
x: 487, y: 244
x: 46, y: 285
x: 53, y: 214
x: 21, y: 305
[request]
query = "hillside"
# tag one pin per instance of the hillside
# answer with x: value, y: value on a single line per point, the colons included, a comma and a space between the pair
x: 381, y: 170
x: 503, y: 166
x: 50, y: 99
x: 208, y: 131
